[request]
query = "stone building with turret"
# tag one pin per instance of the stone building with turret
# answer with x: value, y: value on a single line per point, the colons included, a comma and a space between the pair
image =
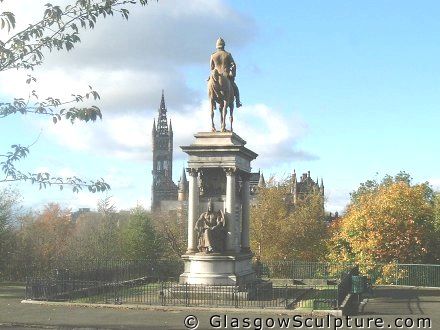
x: 303, y: 187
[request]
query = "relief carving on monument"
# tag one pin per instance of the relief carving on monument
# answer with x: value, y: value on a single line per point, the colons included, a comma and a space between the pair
x: 212, y: 182
x: 211, y: 231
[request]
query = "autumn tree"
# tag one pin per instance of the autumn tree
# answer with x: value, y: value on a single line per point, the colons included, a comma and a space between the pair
x: 96, y: 236
x: 281, y: 230
x: 43, y: 238
x: 58, y: 29
x: 390, y: 221
x: 434, y: 251
x: 307, y: 229
x: 172, y: 227
x: 267, y: 218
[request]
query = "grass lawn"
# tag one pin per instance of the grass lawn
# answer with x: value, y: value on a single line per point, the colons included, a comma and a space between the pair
x: 12, y: 291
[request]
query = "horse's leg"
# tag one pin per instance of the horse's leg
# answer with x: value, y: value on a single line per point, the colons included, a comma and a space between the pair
x: 224, y: 113
x: 212, y: 115
x: 231, y: 114
x: 220, y: 114
x: 220, y: 110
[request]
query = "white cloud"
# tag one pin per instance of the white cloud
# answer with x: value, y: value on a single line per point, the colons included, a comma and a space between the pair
x: 337, y: 199
x: 119, y: 136
x: 130, y: 62
x: 435, y: 183
x: 271, y: 134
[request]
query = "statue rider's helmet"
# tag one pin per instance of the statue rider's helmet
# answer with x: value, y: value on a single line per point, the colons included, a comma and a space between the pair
x: 220, y: 43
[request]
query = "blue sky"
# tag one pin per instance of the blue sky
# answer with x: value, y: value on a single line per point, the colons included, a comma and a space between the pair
x: 343, y: 89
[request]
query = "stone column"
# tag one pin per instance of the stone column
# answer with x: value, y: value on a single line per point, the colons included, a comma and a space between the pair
x: 193, y: 209
x: 245, y: 247
x: 230, y: 210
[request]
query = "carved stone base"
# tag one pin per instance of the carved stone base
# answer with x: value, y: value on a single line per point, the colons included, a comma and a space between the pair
x: 215, y: 269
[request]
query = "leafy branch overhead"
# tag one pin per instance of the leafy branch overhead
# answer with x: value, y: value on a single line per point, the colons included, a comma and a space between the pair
x: 58, y: 29
x: 54, y: 107
x: 43, y: 179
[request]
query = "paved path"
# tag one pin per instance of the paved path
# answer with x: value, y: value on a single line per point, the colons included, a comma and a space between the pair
x: 390, y: 303
x: 387, y: 303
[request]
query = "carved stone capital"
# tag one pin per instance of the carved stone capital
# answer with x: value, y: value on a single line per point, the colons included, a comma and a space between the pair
x: 230, y: 171
x: 192, y: 171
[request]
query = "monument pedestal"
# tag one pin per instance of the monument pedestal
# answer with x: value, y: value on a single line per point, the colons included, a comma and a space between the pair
x: 218, y: 211
x: 218, y: 269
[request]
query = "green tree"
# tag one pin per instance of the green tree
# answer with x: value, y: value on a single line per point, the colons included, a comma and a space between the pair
x: 58, y: 29
x: 9, y: 205
x: 139, y: 238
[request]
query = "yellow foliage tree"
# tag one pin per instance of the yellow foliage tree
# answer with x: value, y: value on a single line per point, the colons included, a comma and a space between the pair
x: 268, y: 218
x: 43, y: 237
x: 388, y: 222
x: 307, y: 230
x: 283, y: 231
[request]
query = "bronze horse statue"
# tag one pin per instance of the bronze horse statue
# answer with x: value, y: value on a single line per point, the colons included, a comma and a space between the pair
x: 221, y: 92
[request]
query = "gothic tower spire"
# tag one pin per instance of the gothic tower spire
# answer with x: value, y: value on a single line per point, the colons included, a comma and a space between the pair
x: 162, y: 122
x: 163, y: 187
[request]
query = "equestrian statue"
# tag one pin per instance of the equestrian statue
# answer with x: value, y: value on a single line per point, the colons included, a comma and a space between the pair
x: 222, y: 88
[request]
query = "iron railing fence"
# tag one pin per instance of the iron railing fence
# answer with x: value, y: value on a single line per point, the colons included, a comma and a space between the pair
x: 152, y: 291
x: 119, y: 270
x: 93, y: 270
x: 301, y: 269
x: 403, y: 274
x: 418, y: 275
x: 378, y: 273
x: 293, y: 284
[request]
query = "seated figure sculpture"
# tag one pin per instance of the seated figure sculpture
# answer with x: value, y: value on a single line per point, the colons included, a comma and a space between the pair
x: 211, y: 231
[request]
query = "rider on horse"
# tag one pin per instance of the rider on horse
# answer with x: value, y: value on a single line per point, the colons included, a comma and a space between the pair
x: 225, y: 65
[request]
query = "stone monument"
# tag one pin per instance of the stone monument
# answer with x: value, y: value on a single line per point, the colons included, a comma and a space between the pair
x: 219, y: 168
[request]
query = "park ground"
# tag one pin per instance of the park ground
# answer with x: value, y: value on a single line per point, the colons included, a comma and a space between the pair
x: 386, y: 302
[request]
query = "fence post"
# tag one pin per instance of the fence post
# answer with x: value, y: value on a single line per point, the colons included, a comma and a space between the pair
x: 162, y: 294
x: 236, y: 295
x: 285, y: 295
x: 186, y: 294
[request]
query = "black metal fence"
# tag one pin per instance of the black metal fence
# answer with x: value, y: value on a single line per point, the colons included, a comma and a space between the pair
x: 170, y: 293
x: 403, y: 274
x: 378, y: 273
x: 155, y: 283
x: 93, y: 276
x: 281, y: 284
x: 300, y: 270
